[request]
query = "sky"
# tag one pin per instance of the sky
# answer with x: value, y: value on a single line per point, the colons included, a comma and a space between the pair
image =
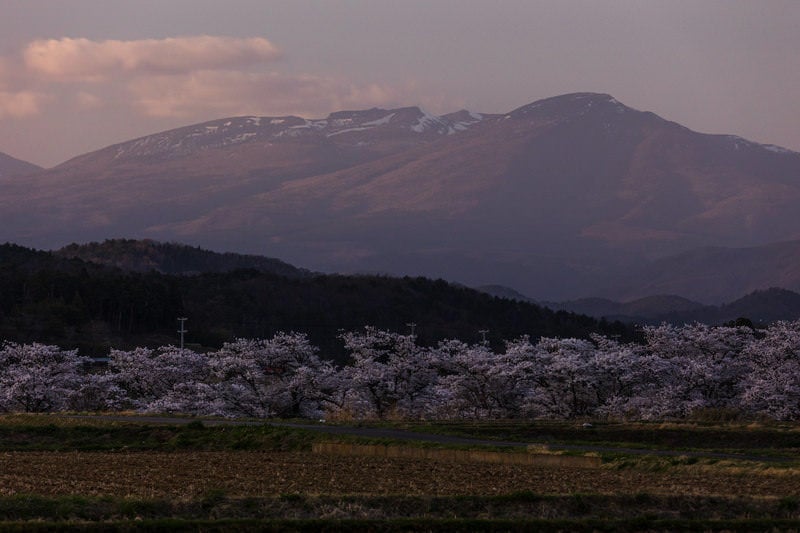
x: 79, y: 75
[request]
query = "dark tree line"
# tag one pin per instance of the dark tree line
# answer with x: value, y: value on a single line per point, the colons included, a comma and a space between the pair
x: 172, y: 258
x: 73, y: 303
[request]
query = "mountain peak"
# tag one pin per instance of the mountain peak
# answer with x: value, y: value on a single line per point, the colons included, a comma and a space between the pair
x: 572, y: 104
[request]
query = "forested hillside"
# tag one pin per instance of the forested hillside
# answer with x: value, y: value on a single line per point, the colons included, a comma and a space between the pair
x: 72, y: 303
x: 172, y: 258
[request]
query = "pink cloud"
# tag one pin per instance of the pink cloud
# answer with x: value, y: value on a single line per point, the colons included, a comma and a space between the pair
x: 186, y: 78
x: 87, y: 100
x: 85, y: 60
x: 17, y: 101
x: 20, y: 103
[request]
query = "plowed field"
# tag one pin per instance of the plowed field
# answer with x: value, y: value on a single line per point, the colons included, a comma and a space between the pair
x: 189, y: 475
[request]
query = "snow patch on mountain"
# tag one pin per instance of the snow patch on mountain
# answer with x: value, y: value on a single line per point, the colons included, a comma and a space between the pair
x: 380, y: 121
x: 739, y: 143
x: 462, y: 120
x: 347, y: 130
x: 429, y: 121
x: 238, y: 130
x: 776, y: 149
x: 241, y: 138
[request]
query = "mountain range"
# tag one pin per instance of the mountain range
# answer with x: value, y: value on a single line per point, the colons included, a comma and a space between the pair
x: 566, y: 197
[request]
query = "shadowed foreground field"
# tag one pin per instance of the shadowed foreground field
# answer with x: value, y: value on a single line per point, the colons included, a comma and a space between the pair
x: 187, y: 475
x: 134, y: 476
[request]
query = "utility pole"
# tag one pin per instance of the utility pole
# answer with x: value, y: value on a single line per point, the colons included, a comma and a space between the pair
x: 411, y: 325
x: 183, y: 329
x: 483, y: 333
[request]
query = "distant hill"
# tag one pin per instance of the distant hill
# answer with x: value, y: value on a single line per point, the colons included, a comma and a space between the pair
x: 762, y: 307
x: 648, y: 308
x: 11, y: 166
x: 172, y: 258
x: 715, y: 274
x: 640, y: 310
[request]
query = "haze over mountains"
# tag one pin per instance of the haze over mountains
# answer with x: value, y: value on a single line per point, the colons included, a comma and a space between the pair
x: 566, y: 197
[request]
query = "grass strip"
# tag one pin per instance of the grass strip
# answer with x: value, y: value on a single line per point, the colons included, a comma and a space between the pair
x: 116, y: 436
x: 654, y: 435
x: 517, y: 507
x: 421, y: 524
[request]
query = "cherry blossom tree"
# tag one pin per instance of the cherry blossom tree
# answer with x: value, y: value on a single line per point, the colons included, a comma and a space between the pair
x: 282, y: 376
x: 623, y: 373
x: 38, y: 377
x: 695, y: 367
x: 389, y: 374
x: 772, y: 385
x: 165, y: 379
x: 565, y: 376
x: 96, y: 391
x: 478, y: 383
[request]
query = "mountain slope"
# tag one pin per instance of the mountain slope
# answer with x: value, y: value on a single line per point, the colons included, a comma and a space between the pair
x: 11, y: 166
x: 555, y: 198
x: 132, y: 187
